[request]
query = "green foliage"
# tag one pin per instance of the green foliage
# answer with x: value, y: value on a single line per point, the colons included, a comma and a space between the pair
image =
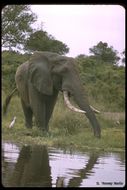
x: 41, y: 41
x: 123, y: 57
x: 105, y: 53
x: 104, y: 83
x: 10, y: 62
x: 17, y: 32
x: 16, y: 21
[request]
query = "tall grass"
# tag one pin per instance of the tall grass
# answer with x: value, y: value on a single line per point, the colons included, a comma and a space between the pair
x: 66, y: 128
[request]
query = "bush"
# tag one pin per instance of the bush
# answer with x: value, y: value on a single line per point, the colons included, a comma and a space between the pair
x: 104, y: 83
x: 10, y: 62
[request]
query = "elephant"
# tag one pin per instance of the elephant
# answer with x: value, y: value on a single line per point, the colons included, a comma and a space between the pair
x: 39, y: 81
x: 32, y: 168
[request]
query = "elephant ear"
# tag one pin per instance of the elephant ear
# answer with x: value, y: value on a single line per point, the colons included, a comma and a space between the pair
x: 40, y: 76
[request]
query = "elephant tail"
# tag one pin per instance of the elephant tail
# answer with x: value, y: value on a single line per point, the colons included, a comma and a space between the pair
x: 7, y: 101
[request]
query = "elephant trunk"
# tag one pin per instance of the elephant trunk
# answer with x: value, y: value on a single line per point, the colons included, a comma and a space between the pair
x: 75, y: 88
x: 82, y: 102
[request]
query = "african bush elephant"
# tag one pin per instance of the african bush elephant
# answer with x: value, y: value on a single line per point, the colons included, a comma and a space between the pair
x: 41, y: 78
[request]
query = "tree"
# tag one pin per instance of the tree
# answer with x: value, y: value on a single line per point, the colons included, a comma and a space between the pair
x: 105, y: 53
x: 16, y: 21
x: 123, y: 57
x: 41, y: 41
x: 10, y: 62
x: 80, y: 56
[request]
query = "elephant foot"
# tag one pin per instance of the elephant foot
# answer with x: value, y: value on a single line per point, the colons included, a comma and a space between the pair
x: 28, y: 126
x: 97, y: 134
x: 43, y: 132
x: 41, y: 128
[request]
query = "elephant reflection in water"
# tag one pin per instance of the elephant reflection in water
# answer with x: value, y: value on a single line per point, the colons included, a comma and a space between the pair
x: 81, y: 173
x: 33, y: 170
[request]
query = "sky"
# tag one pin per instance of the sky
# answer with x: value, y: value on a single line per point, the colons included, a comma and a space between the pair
x: 81, y: 27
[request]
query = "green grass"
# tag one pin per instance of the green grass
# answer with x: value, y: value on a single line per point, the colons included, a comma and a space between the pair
x: 66, y: 129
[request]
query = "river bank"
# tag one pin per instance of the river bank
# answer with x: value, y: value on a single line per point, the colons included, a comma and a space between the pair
x: 112, y: 139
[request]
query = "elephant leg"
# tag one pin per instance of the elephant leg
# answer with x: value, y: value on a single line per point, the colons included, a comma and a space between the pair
x: 50, y: 103
x: 28, y: 114
x: 40, y: 115
x: 38, y: 105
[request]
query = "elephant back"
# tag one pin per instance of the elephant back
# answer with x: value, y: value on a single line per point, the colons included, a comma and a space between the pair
x: 51, y: 58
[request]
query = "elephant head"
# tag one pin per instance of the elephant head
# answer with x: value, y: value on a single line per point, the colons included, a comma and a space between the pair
x: 49, y: 72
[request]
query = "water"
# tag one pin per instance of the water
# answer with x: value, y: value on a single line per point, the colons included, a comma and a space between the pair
x: 41, y: 166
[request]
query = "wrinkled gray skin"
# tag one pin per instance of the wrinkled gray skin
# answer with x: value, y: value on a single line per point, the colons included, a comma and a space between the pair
x: 41, y: 78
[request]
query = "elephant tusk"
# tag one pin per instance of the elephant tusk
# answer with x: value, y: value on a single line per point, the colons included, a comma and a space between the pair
x: 69, y: 105
x: 96, y: 111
